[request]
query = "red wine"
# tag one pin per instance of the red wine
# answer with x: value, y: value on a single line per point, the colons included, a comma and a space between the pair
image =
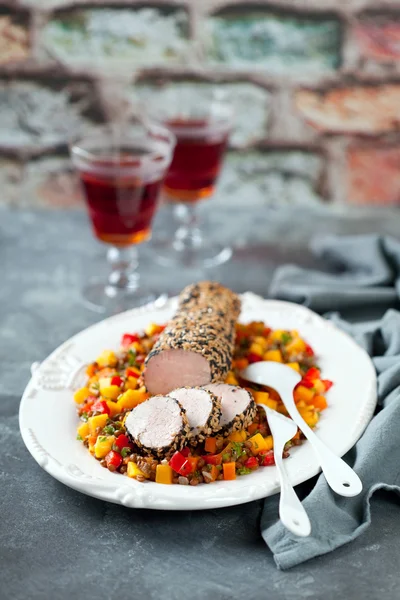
x: 121, y: 204
x: 197, y: 159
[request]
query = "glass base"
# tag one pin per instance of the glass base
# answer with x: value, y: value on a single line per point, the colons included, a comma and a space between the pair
x: 98, y: 295
x: 179, y: 254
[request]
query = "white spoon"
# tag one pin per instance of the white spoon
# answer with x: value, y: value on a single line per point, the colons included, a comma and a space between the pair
x: 291, y: 511
x: 340, y: 477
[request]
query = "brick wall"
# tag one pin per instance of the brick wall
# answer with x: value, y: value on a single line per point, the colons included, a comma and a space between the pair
x: 316, y: 85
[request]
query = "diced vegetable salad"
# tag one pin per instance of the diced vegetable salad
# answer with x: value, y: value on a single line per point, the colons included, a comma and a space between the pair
x: 115, y: 386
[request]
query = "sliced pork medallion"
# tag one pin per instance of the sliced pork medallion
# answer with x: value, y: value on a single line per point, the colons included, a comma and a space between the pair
x: 158, y: 426
x: 237, y: 406
x: 203, y: 410
x: 196, y: 346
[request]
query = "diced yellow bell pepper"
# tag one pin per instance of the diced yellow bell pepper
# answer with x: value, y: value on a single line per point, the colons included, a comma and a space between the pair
x: 238, y: 436
x: 104, y: 382
x: 311, y: 417
x: 261, y: 341
x: 163, y: 474
x: 103, y: 445
x: 107, y: 359
x: 111, y: 392
x: 231, y: 379
x: 256, y: 349
x: 269, y: 441
x: 274, y: 355
x: 83, y: 430
x: 263, y: 398
x: 131, y: 398
x: 294, y: 365
x: 258, y: 443
x: 276, y: 335
x: 303, y: 393
x: 296, y: 346
x: 99, y: 421
x: 152, y: 329
x: 137, y: 346
x: 114, y: 408
x: 81, y: 395
x: 131, y: 383
x: 133, y: 470
x: 319, y: 386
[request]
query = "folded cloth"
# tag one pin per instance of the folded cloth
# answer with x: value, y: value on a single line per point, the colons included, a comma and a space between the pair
x: 367, y: 272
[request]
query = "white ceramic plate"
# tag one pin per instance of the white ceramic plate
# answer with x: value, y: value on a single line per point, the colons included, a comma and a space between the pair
x: 47, y: 401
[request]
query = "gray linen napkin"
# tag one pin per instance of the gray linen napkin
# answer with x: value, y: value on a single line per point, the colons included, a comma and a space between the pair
x: 367, y: 275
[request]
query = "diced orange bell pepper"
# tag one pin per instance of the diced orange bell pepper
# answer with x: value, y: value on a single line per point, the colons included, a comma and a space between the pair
x: 252, y: 428
x: 210, y: 445
x: 229, y: 470
x: 193, y: 461
x: 240, y: 363
x: 320, y: 402
x: 91, y: 369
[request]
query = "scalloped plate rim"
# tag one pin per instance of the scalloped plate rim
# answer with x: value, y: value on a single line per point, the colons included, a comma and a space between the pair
x: 151, y: 495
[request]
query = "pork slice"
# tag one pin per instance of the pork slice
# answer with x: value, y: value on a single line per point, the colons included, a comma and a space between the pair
x: 238, y: 408
x: 158, y: 426
x: 203, y: 409
x: 171, y: 369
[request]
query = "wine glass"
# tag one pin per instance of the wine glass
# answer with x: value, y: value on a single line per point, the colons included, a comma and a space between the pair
x: 121, y: 168
x: 201, y: 123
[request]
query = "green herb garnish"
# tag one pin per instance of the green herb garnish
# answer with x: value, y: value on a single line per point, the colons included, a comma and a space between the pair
x: 84, y: 416
x: 109, y: 429
x: 226, y: 457
x: 286, y: 337
x: 102, y: 438
x: 95, y: 385
x: 125, y: 451
x: 79, y: 437
x: 237, y: 448
x: 244, y: 471
x: 131, y: 357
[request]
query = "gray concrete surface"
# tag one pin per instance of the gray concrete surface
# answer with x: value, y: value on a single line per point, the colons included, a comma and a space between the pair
x: 58, y: 544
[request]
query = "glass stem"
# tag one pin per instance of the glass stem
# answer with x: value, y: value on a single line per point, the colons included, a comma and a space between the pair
x: 188, y: 236
x: 123, y: 262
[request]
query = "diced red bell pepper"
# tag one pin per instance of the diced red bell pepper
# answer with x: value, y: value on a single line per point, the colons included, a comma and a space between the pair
x: 185, y: 451
x: 309, y: 351
x: 128, y: 339
x: 312, y: 374
x: 213, y: 459
x: 252, y: 357
x: 181, y: 464
x: 327, y: 383
x: 101, y: 407
x: 113, y: 460
x: 122, y: 441
x: 266, y: 331
x: 117, y: 381
x: 306, y: 383
x: 251, y: 463
x: 266, y: 458
x: 132, y: 373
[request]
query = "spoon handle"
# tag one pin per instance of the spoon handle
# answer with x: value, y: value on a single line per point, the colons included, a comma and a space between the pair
x: 340, y: 477
x: 291, y: 511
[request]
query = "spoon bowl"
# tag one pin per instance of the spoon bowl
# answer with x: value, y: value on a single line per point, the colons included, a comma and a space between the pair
x: 339, y: 475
